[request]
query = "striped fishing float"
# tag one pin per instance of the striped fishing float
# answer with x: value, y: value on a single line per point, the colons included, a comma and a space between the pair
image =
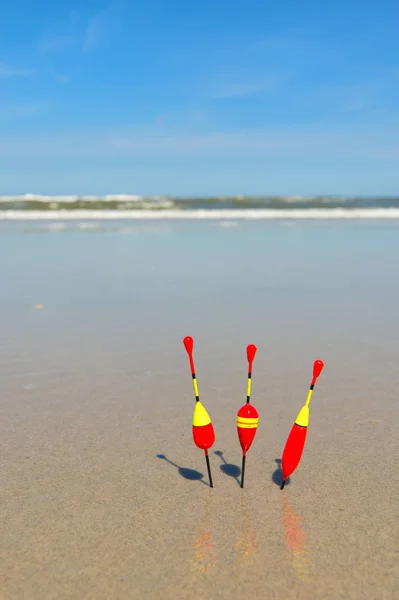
x: 247, y: 416
x: 296, y: 440
x: 203, y: 432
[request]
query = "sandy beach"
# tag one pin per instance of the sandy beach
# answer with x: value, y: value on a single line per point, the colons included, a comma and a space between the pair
x: 105, y: 496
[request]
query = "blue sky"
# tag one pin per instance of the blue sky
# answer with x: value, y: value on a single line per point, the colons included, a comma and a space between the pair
x: 199, y: 97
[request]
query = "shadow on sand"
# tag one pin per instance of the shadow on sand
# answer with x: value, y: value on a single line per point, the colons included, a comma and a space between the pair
x: 277, y: 476
x: 229, y: 469
x: 184, y: 472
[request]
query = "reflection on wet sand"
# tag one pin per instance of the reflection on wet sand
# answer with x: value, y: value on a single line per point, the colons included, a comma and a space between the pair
x: 247, y: 543
x: 295, y: 539
x: 203, y: 554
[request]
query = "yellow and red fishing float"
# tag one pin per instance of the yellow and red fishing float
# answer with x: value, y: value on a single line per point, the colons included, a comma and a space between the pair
x: 247, y: 416
x: 296, y: 440
x: 203, y: 432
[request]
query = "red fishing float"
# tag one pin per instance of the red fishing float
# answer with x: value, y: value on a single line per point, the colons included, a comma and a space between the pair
x: 296, y: 440
x: 203, y: 432
x: 247, y: 416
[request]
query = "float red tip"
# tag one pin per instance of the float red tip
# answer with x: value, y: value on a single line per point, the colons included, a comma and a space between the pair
x: 251, y: 351
x: 317, y: 368
x: 188, y: 344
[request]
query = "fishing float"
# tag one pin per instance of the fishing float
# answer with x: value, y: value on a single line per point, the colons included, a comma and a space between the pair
x: 296, y: 440
x: 247, y: 416
x: 203, y: 432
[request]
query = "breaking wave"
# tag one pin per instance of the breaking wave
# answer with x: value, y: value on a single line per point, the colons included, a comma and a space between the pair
x: 127, y: 206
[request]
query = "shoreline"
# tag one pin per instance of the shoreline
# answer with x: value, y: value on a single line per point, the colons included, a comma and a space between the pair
x: 201, y: 214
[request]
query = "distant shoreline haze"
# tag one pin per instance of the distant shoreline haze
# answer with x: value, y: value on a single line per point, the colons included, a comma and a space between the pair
x: 132, y: 202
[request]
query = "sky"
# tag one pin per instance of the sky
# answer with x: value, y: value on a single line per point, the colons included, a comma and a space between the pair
x: 199, y: 97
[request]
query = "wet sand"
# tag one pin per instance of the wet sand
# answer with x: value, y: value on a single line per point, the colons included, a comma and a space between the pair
x: 104, y: 494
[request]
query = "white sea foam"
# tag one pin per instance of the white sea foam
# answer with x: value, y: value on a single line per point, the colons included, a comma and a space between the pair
x: 228, y: 224
x: 57, y: 226
x: 75, y: 198
x: 202, y: 214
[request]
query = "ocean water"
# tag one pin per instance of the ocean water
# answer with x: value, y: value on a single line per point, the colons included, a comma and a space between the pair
x: 311, y: 287
x: 292, y: 267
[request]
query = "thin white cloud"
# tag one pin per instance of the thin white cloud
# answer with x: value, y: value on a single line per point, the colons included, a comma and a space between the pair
x: 53, y: 43
x: 75, y: 34
x: 287, y: 143
x: 244, y: 89
x: 63, y: 43
x: 62, y: 78
x: 313, y: 142
x: 28, y: 110
x: 97, y: 28
x: 374, y: 94
x: 62, y: 37
x: 10, y: 71
x: 288, y: 53
x: 18, y: 111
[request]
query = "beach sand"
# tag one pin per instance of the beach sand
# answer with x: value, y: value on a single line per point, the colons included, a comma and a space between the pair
x: 104, y: 494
